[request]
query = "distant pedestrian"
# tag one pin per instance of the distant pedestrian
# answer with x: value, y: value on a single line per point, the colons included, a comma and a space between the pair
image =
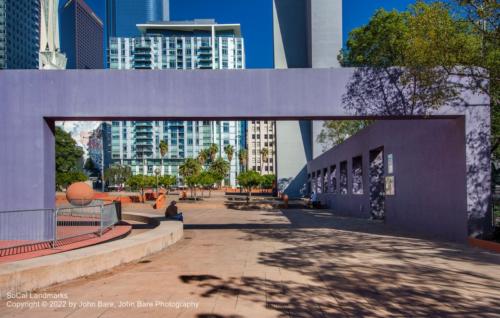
x: 314, y: 200
x: 172, y: 212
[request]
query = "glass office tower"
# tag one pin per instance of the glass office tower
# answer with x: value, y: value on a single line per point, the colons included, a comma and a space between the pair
x: 81, y: 36
x: 123, y: 15
x: 19, y: 34
x: 199, y: 44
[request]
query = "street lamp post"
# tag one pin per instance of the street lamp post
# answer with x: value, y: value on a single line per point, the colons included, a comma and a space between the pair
x: 157, y: 173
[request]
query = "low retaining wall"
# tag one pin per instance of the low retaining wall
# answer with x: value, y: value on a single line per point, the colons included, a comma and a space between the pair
x: 27, y: 275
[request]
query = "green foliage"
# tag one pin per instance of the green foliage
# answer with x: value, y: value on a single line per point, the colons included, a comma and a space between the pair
x: 139, y: 182
x: 264, y: 153
x: 69, y: 159
x: 117, y: 174
x: 189, y: 168
x: 64, y: 179
x: 267, y: 181
x: 229, y: 150
x: 427, y: 35
x: 91, y: 167
x: 483, y: 18
x: 203, y: 156
x: 192, y: 181
x: 219, y: 169
x: 249, y: 180
x: 432, y: 41
x: 206, y: 179
x: 213, y: 150
x: 167, y: 181
x: 163, y: 148
x: 335, y: 132
x: 382, y: 42
x: 243, y: 158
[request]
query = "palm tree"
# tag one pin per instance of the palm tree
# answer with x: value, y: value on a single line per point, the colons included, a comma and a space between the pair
x: 203, y: 156
x: 163, y: 150
x: 229, y: 150
x: 189, y: 169
x: 219, y: 170
x: 243, y: 157
x: 264, y: 153
x: 213, y: 150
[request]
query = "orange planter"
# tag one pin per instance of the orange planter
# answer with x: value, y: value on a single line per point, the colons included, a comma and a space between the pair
x: 487, y: 245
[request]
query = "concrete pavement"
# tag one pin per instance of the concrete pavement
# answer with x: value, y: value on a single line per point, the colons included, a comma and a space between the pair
x: 286, y: 263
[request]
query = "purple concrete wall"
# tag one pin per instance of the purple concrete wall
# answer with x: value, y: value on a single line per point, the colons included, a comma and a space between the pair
x: 27, y: 97
x: 429, y: 170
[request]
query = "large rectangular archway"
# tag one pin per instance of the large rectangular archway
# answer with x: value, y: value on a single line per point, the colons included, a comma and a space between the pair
x: 30, y: 102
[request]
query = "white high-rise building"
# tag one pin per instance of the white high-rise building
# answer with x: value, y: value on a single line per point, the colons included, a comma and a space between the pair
x: 199, y: 44
x: 261, y: 134
x: 50, y: 57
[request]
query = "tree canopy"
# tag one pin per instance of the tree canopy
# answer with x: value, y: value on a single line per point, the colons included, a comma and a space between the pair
x: 69, y: 159
x: 249, y: 180
x: 229, y: 150
x: 189, y: 168
x: 219, y: 169
x: 117, y: 174
x: 167, y: 181
x: 431, y: 42
x: 267, y: 181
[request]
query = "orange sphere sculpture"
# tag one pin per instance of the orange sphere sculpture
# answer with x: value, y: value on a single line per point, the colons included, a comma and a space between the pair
x: 80, y: 194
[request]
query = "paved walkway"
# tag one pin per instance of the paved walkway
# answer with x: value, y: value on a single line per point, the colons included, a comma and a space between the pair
x: 291, y: 263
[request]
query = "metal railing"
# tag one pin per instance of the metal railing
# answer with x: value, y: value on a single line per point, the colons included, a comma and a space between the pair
x: 30, y: 230
x: 25, y: 230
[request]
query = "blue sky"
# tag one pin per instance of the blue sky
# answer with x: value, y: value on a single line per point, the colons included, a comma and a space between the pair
x: 255, y: 17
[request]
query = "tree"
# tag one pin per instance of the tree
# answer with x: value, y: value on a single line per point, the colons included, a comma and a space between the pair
x: 380, y: 43
x: 140, y: 182
x: 399, y: 73
x: 267, y: 181
x: 243, y: 158
x: 117, y: 174
x: 229, y: 150
x: 192, y: 182
x: 249, y: 180
x: 264, y: 153
x: 190, y: 170
x: 219, y: 169
x: 433, y: 42
x: 69, y: 159
x: 163, y: 147
x: 483, y: 17
x: 91, y: 167
x: 203, y: 156
x: 206, y: 180
x: 213, y: 150
x: 64, y: 179
x: 335, y: 132
x: 167, y: 181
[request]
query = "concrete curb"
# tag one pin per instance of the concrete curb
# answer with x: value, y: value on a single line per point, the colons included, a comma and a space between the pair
x: 31, y: 274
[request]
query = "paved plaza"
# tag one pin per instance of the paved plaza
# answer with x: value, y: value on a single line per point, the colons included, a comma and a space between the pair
x: 287, y: 263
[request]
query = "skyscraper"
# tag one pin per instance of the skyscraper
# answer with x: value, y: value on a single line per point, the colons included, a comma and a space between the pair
x: 99, y: 146
x: 261, y: 143
x: 307, y: 34
x: 19, y: 34
x: 81, y: 36
x: 199, y: 44
x: 122, y: 16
